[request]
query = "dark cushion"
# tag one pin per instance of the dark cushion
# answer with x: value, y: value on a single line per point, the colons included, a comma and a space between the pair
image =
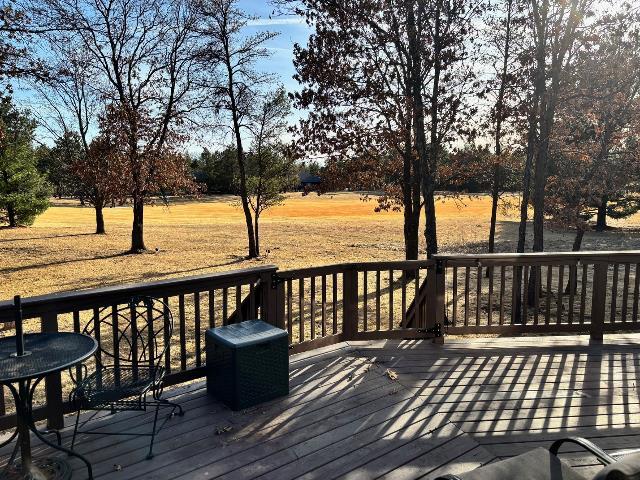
x: 538, y: 464
x: 626, y: 468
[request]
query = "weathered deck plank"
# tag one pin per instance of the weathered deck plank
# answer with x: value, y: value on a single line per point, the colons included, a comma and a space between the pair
x: 452, y: 408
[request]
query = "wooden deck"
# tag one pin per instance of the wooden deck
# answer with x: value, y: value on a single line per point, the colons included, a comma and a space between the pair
x: 452, y: 408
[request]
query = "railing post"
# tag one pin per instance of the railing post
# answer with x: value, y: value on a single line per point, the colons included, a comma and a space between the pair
x: 350, y: 304
x: 435, y: 298
x: 53, y: 382
x: 272, y: 300
x: 598, y: 299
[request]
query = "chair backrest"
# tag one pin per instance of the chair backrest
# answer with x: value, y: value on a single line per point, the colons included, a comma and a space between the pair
x: 135, y: 334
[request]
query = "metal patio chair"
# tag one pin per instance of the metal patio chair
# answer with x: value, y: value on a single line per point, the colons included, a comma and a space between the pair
x: 543, y: 464
x: 129, y: 365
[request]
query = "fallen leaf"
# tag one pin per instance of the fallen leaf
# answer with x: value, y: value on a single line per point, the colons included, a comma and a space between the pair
x: 391, y: 374
x: 221, y: 430
x: 117, y: 467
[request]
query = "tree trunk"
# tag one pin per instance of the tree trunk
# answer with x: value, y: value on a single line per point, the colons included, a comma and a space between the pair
x: 572, y: 283
x: 244, y: 197
x: 411, y: 233
x: 257, y: 234
x: 577, y: 241
x: 137, y: 231
x: 428, y: 155
x: 430, y: 232
x: 11, y: 214
x: 495, y: 196
x: 601, y: 219
x: 99, y: 218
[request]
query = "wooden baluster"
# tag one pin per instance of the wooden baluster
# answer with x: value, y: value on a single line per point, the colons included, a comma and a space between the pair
x: 115, y: 335
x: 467, y: 275
x: 196, y: 326
x: 636, y: 292
x: 503, y: 277
x: 583, y: 292
x: 76, y: 329
x: 365, y: 301
x: 167, y: 336
x: 334, y: 300
x: 525, y: 295
x: 212, y: 309
x: 514, y: 293
x: 536, y: 295
x: 133, y: 352
x: 290, y: 309
x: 390, y: 326
x: 252, y: 301
x: 97, y: 333
x: 416, y: 298
x: 560, y: 303
x: 490, y: 311
x: 151, y: 345
x: 239, y: 303
x: 378, y: 286
x: 225, y: 306
x: 324, y: 305
x: 403, y: 279
x: 478, y: 294
x: 547, y: 314
x: 350, y: 304
x: 183, y: 333
x: 454, y: 292
x: 301, y: 310
x: 614, y: 294
x: 625, y: 292
x: 313, y: 308
x: 572, y: 290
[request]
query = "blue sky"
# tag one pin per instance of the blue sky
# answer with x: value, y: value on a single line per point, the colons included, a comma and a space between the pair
x: 291, y: 30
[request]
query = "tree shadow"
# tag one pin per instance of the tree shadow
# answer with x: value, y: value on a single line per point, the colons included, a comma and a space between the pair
x: 46, y: 237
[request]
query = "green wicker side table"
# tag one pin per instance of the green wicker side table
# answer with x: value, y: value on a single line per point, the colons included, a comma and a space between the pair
x: 247, y: 363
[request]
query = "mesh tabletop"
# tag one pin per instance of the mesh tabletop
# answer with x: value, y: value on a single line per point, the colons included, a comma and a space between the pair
x: 49, y: 352
x: 244, y: 334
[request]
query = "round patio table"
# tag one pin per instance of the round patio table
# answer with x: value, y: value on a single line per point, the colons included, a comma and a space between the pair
x: 44, y: 354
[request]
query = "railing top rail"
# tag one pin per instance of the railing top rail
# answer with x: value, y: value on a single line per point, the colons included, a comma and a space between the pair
x: 358, y: 266
x: 77, y: 300
x: 541, y: 257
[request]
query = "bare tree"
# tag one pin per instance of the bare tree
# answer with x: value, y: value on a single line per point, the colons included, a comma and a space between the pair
x: 555, y: 27
x: 270, y: 167
x: 142, y: 55
x: 233, y: 80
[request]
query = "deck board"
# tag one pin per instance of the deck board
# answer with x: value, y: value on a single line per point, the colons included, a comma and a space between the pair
x: 452, y: 408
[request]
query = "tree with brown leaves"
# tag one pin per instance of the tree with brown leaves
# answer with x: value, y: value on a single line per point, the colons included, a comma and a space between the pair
x: 142, y: 60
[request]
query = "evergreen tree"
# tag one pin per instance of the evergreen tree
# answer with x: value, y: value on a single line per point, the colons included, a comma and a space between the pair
x: 24, y: 192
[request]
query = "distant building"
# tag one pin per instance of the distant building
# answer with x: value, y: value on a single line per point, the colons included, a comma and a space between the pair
x: 308, y: 181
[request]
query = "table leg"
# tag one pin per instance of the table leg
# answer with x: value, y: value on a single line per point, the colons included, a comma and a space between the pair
x: 59, y: 447
x: 23, y: 398
x: 23, y: 412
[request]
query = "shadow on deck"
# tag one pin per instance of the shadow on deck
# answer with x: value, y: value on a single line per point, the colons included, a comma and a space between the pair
x: 451, y: 408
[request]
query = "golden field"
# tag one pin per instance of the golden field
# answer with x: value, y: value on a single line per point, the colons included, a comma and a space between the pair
x: 60, y: 252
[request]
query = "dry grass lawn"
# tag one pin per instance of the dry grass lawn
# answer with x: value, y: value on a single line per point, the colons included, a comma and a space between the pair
x: 60, y: 252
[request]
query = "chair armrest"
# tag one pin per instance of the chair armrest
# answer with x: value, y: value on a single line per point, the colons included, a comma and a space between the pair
x: 602, y: 456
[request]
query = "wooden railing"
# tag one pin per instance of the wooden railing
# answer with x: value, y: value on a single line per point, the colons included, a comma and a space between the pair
x: 549, y: 292
x: 591, y: 292
x: 197, y: 303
